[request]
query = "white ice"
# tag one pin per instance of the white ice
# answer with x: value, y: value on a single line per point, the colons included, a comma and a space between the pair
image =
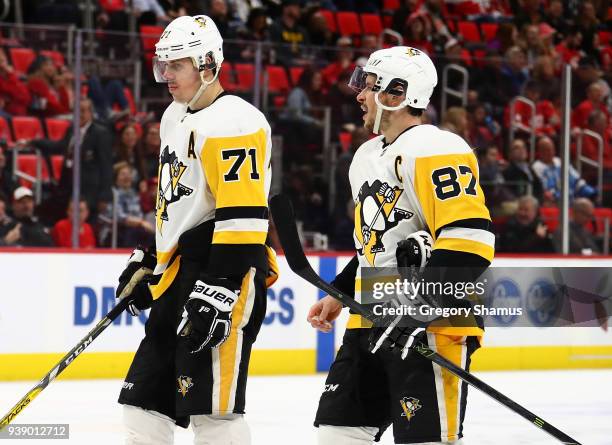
x: 280, y: 410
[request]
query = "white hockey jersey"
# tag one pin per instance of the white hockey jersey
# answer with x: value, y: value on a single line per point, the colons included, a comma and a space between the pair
x: 214, y: 164
x: 427, y: 179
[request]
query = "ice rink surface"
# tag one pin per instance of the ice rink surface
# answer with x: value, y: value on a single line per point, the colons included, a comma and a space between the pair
x: 281, y: 409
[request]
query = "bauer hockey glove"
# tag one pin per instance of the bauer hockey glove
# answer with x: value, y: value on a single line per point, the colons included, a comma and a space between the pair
x: 207, y: 318
x: 140, y: 295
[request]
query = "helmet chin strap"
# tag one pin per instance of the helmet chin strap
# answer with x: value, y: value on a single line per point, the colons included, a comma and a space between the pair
x: 205, y: 84
x: 379, y: 110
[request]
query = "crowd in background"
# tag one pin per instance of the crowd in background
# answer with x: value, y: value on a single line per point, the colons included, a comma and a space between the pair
x: 531, y: 42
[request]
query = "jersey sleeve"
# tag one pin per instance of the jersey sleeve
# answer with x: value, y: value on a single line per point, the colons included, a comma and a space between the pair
x: 238, y: 175
x: 453, y: 203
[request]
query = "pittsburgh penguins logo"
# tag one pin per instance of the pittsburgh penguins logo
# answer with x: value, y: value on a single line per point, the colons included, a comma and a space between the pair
x: 200, y: 20
x: 169, y: 188
x: 375, y: 214
x: 184, y: 383
x: 410, y: 405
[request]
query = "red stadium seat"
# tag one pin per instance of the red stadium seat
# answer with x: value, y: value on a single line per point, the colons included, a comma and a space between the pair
x: 5, y: 131
x: 226, y: 76
x: 296, y: 72
x: 391, y: 4
x: 601, y: 214
x: 550, y: 217
x: 130, y: 99
x: 348, y: 23
x: 279, y: 101
x: 56, y: 56
x: 466, y: 57
x: 469, y: 31
x: 346, y: 139
x: 56, y: 128
x: 489, y: 30
x: 371, y: 24
x: 112, y: 5
x: 604, y: 37
x: 330, y: 19
x: 27, y: 127
x: 22, y: 58
x: 479, y: 57
x: 245, y: 74
x: 149, y: 35
x: 57, y: 161
x: 26, y: 163
x: 278, y: 82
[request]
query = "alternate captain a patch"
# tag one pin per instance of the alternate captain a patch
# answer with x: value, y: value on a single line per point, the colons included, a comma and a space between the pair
x: 375, y: 214
x: 169, y: 188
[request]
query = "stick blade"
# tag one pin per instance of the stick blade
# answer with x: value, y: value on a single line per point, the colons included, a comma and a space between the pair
x: 284, y: 219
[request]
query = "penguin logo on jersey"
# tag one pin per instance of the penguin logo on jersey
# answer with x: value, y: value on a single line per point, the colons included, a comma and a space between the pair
x: 184, y: 383
x: 375, y: 214
x: 410, y: 406
x: 169, y: 189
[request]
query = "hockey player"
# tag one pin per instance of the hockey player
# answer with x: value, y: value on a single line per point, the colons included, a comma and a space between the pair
x: 210, y: 260
x: 411, y: 181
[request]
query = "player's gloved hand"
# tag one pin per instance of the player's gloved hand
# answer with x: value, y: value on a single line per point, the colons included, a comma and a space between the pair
x: 415, y: 250
x: 207, y: 318
x: 134, y: 280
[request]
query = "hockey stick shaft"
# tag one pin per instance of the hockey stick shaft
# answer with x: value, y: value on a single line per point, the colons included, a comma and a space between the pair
x: 74, y: 352
x: 284, y: 220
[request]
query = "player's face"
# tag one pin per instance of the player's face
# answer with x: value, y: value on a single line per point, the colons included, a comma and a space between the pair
x: 183, y: 79
x: 368, y: 105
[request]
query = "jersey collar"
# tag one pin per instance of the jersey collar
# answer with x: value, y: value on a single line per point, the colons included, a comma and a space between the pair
x: 386, y: 144
x: 223, y: 93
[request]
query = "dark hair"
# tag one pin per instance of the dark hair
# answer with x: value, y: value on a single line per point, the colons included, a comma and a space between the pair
x: 254, y: 14
x: 416, y: 112
x: 306, y: 77
x: 37, y: 63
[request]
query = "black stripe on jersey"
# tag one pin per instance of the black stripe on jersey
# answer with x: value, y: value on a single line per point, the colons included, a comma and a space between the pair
x: 345, y: 280
x: 232, y: 261
x: 227, y: 213
x: 470, y: 223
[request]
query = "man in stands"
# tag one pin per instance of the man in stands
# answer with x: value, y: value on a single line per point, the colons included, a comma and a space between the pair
x: 31, y: 232
x: 525, y: 231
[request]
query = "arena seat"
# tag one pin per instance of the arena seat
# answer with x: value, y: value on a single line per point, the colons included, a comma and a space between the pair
x: 27, y: 127
x: 245, y: 75
x: 56, y: 128
x: 348, y: 23
x: 56, y: 56
x: 489, y: 30
x: 22, y: 58
x: 330, y: 19
x: 295, y: 72
x: 278, y: 82
x: 371, y: 24
x: 469, y: 31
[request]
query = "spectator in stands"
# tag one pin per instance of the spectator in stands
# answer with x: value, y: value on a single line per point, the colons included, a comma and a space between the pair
x: 14, y: 94
x: 147, y: 195
x: 104, y: 97
x: 47, y: 100
x: 256, y: 30
x: 149, y: 12
x: 587, y: 73
x: 129, y: 149
x: 133, y: 228
x: 525, y: 232
x: 9, y: 232
x: 519, y: 176
x: 548, y: 169
x: 483, y: 129
x: 594, y: 101
x: 319, y: 33
x: 151, y: 149
x: 242, y: 9
x: 491, y: 167
x: 486, y: 81
x: 455, y: 120
x: 62, y: 231
x: 288, y: 32
x: 598, y: 123
x: 527, y: 12
x: 7, y: 184
x: 555, y: 17
x: 581, y: 239
x: 505, y: 38
x: 343, y: 186
x: 343, y: 62
x: 341, y: 99
x: 418, y: 33
x: 588, y: 24
x: 219, y: 12
x: 31, y: 232
x: 401, y: 15
x: 96, y: 160
x: 546, y: 120
x: 513, y: 72
x: 569, y: 48
x: 532, y: 43
x: 548, y: 83
x: 308, y: 194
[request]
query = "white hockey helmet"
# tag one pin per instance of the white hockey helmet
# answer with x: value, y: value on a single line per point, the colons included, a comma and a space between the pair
x: 401, y: 71
x: 195, y: 37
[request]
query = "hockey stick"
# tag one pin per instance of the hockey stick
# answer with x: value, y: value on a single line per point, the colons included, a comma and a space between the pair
x: 76, y: 351
x: 284, y: 220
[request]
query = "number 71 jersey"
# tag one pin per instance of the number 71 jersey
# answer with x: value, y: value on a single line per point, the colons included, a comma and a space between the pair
x: 427, y: 179
x: 214, y: 165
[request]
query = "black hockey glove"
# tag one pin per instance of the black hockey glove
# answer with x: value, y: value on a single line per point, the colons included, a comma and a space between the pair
x: 134, y: 280
x: 207, y: 318
x: 401, y: 324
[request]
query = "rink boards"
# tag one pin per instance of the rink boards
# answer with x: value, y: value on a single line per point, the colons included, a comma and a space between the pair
x: 50, y: 301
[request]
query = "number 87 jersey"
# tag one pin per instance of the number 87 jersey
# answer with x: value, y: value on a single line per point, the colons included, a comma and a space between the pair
x: 214, y: 166
x: 427, y: 179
